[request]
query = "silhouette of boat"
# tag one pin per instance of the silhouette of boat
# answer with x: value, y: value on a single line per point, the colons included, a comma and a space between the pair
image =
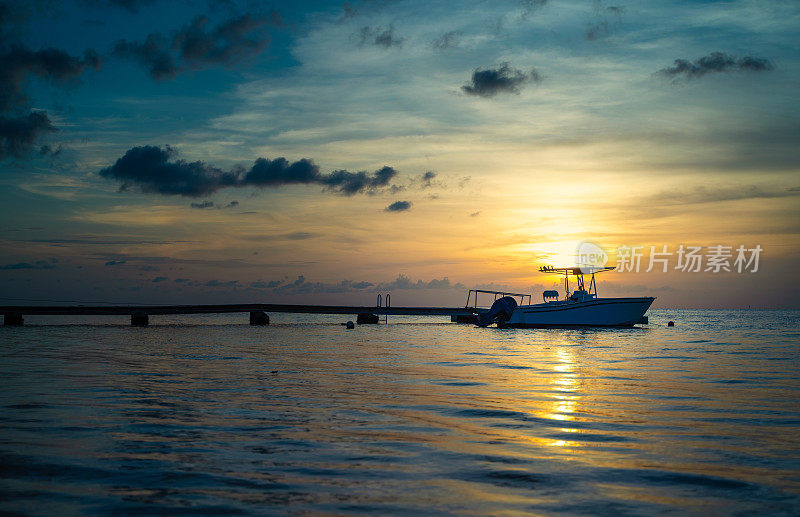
x: 581, y: 308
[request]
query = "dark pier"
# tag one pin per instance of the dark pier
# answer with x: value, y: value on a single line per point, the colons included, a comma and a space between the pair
x: 140, y: 314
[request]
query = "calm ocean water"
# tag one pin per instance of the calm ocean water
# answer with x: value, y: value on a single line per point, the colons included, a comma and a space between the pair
x: 417, y: 416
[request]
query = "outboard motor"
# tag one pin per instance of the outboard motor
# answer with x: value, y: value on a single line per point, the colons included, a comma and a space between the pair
x: 500, y: 311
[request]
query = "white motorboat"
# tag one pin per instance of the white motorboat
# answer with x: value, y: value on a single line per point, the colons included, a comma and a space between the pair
x: 581, y: 308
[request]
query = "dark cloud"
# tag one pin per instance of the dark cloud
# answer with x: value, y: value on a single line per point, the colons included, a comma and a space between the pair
x: 155, y: 170
x: 95, y: 241
x: 149, y: 168
x: 198, y: 46
x: 20, y: 128
x: 378, y: 36
x: 447, y: 40
x: 18, y: 135
x: 427, y: 179
x: 218, y: 283
x: 350, y: 183
x: 300, y: 236
x: 132, y: 6
x: 398, y: 206
x: 607, y: 19
x: 39, y: 264
x: 716, y: 62
x: 152, y: 53
x: 279, y: 172
x: 475, y: 214
x: 210, y: 204
x: 159, y: 279
x: 505, y: 79
x: 261, y: 284
x: 115, y: 262
x: 402, y: 282
x: 597, y: 31
x: 18, y: 63
x: 348, y: 10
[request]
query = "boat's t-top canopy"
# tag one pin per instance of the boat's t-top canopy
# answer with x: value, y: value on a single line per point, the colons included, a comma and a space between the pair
x: 582, y: 293
x: 578, y: 270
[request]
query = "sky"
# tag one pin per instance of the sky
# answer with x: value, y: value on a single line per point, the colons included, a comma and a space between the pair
x: 227, y: 151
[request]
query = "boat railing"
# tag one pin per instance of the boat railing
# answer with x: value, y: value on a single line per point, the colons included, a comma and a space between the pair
x: 473, y: 293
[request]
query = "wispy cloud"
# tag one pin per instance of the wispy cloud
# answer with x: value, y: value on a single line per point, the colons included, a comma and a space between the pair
x: 197, y: 45
x: 448, y: 40
x: 378, y: 37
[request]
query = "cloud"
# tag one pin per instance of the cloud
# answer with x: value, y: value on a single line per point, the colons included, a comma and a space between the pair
x: 402, y: 282
x: 475, y: 214
x: 529, y: 6
x: 716, y: 62
x: 149, y: 168
x: 18, y: 135
x: 17, y: 63
x: 700, y: 195
x: 132, y: 6
x: 607, y: 18
x: 20, y: 132
x: 197, y: 46
x: 300, y: 236
x: 129, y: 5
x: 152, y: 53
x: 279, y: 172
x: 350, y: 183
x: 39, y: 264
x: 447, y: 40
x: 378, y: 37
x: 218, y: 283
x: 93, y: 240
x: 427, y: 179
x: 115, y: 262
x: 491, y: 81
x: 152, y: 169
x: 159, y: 279
x: 398, y: 206
x: 210, y: 204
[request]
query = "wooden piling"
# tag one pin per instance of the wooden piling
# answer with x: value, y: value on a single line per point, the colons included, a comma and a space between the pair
x: 13, y: 319
x: 259, y: 318
x: 139, y: 319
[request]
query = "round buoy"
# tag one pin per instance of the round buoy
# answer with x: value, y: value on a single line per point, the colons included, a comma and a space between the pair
x: 670, y: 323
x: 350, y: 325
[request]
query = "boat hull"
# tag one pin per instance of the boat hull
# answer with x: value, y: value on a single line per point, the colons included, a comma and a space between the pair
x: 599, y: 312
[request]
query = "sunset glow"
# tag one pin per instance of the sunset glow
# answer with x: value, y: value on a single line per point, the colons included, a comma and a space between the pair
x: 512, y: 132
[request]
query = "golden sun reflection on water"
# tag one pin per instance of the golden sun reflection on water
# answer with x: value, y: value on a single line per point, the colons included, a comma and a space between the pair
x: 565, y: 385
